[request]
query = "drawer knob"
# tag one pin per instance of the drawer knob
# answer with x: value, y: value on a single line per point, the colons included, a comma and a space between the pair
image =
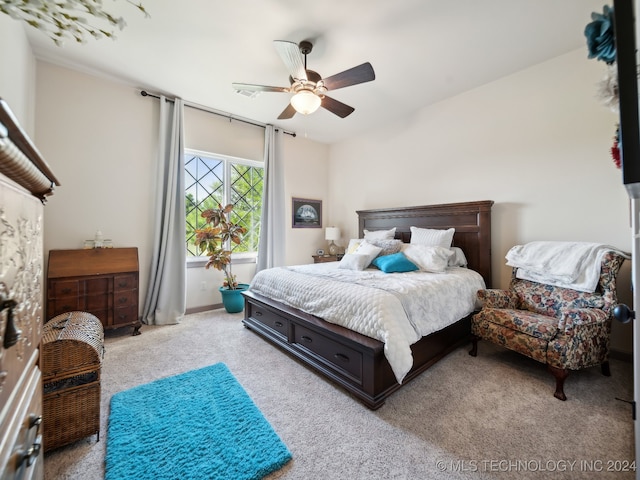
x: 258, y: 313
x: 66, y: 290
x: 341, y: 356
x: 123, y: 284
x: 307, y: 339
x: 30, y: 454
x: 35, y: 421
x: 122, y: 300
x: 278, y: 324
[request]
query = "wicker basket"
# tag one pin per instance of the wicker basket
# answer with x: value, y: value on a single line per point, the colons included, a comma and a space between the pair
x: 71, y: 357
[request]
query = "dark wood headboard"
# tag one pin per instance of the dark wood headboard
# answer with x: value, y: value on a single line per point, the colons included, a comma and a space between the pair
x: 471, y: 220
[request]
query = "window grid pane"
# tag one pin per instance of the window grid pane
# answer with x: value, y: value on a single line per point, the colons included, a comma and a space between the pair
x: 246, y: 195
x: 205, y: 188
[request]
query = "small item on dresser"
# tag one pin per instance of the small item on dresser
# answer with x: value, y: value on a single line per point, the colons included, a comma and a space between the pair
x: 320, y: 252
x: 98, y: 243
x: 99, y: 240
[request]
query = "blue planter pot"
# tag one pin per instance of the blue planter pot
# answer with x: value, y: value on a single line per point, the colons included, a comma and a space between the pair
x: 233, y: 300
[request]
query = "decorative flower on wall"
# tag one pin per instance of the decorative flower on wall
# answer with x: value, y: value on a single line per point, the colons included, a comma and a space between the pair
x: 601, y: 43
x: 600, y: 37
x: 66, y: 19
x: 608, y: 88
x: 615, y: 148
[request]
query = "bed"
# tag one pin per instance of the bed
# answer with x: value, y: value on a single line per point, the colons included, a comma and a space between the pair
x: 357, y: 362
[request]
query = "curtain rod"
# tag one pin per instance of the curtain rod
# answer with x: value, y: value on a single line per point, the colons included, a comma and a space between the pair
x: 196, y: 106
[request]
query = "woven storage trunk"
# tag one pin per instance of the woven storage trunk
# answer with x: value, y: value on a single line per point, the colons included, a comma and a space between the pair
x: 71, y: 358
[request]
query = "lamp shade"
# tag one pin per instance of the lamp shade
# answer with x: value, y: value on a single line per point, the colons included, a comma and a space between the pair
x: 332, y: 233
x: 305, y: 102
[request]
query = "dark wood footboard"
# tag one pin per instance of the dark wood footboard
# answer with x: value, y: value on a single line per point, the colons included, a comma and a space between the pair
x: 353, y: 361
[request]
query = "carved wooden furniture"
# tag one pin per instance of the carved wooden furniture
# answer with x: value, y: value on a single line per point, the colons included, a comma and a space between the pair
x: 101, y: 281
x: 25, y: 182
x: 560, y: 327
x: 71, y: 359
x: 367, y: 373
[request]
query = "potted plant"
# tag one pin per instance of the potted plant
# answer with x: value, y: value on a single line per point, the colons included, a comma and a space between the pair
x: 213, y: 239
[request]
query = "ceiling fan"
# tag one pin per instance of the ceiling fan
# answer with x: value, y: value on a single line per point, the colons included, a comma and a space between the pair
x: 307, y: 86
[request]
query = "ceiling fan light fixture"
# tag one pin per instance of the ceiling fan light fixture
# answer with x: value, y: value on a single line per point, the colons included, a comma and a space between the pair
x: 307, y: 87
x: 305, y: 102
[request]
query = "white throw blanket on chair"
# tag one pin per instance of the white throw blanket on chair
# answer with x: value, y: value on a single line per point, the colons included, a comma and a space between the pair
x: 574, y: 265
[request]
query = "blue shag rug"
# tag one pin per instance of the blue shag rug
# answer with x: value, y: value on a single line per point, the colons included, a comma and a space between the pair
x: 197, y: 425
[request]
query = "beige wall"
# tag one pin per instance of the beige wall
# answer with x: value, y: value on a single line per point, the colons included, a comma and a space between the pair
x: 17, y: 72
x: 100, y: 139
x: 305, y: 163
x: 537, y: 143
x: 213, y: 133
x: 306, y: 176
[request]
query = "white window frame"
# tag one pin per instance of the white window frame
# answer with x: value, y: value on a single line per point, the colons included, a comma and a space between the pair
x: 237, y: 258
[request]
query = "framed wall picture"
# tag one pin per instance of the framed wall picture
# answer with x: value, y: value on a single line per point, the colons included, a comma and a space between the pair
x: 306, y: 213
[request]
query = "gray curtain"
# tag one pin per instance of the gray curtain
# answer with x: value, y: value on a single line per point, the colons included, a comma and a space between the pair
x: 271, y: 251
x: 165, y: 302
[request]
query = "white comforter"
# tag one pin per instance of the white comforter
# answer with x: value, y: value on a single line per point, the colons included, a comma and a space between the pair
x: 574, y: 265
x: 397, y: 309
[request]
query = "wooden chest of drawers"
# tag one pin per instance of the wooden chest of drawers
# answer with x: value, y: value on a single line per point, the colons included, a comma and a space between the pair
x: 21, y: 313
x: 102, y: 281
x: 25, y: 183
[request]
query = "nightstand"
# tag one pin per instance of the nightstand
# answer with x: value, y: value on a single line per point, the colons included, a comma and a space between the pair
x: 327, y: 258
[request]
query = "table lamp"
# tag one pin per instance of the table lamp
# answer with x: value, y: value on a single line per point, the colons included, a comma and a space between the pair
x: 332, y: 233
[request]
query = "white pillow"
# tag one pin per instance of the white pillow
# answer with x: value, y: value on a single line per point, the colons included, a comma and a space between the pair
x: 428, y: 258
x: 354, y: 243
x: 458, y: 259
x: 368, y: 249
x: 354, y: 261
x: 432, y: 237
x: 380, y: 234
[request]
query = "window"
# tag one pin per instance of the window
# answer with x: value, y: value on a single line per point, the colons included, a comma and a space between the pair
x: 210, y: 179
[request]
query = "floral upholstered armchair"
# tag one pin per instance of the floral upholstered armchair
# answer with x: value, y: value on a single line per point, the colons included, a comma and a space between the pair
x: 563, y: 328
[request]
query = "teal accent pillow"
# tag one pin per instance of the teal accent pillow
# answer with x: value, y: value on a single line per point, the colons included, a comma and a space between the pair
x: 394, y: 263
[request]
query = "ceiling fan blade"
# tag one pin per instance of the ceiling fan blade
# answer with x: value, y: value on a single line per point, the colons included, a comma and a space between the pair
x: 334, y: 106
x: 353, y: 76
x: 288, y: 112
x: 292, y: 58
x: 258, y: 88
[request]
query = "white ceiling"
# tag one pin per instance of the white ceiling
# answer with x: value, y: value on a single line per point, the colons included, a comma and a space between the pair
x: 421, y: 50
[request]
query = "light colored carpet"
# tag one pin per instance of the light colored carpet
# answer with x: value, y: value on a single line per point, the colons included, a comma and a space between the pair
x: 493, y: 416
